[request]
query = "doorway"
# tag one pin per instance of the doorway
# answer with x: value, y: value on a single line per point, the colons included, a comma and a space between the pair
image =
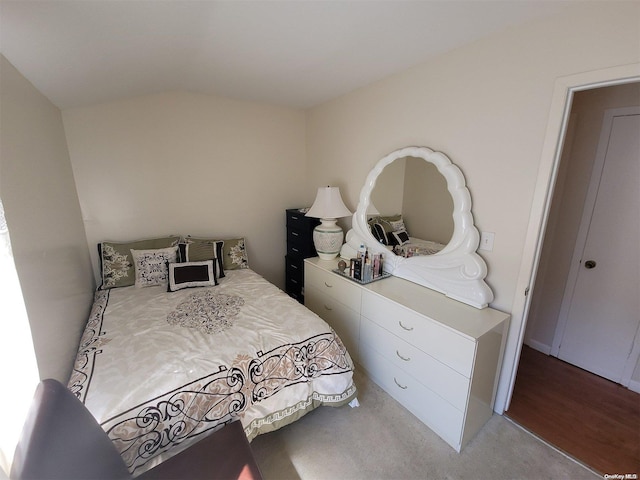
x: 563, y: 225
x: 600, y: 311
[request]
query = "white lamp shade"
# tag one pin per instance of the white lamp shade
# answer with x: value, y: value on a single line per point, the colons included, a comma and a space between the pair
x: 328, y: 204
x: 327, y: 237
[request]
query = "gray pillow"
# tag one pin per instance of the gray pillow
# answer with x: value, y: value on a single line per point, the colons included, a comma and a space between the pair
x: 116, y: 262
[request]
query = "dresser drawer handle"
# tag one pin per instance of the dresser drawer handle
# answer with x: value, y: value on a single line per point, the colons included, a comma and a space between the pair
x: 294, y: 281
x: 406, y: 359
x: 295, y: 234
x: 408, y: 329
x: 402, y: 387
x: 295, y: 249
x: 326, y: 307
x: 327, y: 285
x: 295, y: 267
x: 293, y: 217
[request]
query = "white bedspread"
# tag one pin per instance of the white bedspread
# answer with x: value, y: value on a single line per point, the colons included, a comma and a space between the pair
x: 158, y: 369
x: 417, y: 246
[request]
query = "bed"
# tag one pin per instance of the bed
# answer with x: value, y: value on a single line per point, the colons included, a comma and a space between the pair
x: 159, y: 369
x: 392, y: 232
x: 416, y: 246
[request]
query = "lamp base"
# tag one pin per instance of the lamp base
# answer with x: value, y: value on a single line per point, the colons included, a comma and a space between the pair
x: 327, y: 238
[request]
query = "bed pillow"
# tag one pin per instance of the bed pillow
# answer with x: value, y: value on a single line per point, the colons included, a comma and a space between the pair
x: 235, y: 254
x: 151, y: 266
x: 201, y: 249
x: 401, y: 237
x: 394, y: 222
x: 384, y: 229
x: 379, y: 233
x: 116, y: 262
x: 191, y: 274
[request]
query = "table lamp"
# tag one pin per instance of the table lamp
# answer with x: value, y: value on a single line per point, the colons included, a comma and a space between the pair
x: 328, y: 207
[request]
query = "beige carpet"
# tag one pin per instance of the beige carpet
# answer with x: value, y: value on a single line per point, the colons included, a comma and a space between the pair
x: 382, y: 440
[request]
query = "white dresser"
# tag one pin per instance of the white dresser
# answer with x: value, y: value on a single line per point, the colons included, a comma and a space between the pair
x: 438, y: 357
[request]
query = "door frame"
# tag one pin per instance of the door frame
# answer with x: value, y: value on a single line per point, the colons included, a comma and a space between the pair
x: 560, y: 108
x: 581, y: 240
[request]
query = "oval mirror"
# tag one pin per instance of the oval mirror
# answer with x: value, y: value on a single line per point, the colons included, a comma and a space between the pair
x: 454, y: 268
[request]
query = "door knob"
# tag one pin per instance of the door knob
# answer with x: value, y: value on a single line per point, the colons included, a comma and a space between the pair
x: 590, y: 264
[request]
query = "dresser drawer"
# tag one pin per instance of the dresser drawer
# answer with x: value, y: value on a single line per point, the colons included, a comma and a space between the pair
x: 298, y: 220
x: 295, y: 268
x: 296, y: 295
x: 444, y: 345
x: 449, y: 384
x: 300, y: 234
x: 294, y: 286
x: 345, y: 321
x: 344, y: 291
x: 438, y: 414
x: 300, y: 244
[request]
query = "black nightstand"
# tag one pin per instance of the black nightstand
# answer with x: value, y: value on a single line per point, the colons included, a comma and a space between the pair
x: 299, y: 247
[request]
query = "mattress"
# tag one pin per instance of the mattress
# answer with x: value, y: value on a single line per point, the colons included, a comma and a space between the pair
x: 161, y: 369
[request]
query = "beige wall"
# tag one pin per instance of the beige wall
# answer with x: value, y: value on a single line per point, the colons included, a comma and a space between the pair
x: 45, y: 224
x: 388, y: 193
x: 193, y: 165
x: 486, y: 106
x: 427, y: 204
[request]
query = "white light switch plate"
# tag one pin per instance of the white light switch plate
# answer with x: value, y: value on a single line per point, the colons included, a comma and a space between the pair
x: 486, y: 241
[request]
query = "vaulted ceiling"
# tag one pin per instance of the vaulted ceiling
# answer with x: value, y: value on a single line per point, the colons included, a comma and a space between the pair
x: 296, y: 53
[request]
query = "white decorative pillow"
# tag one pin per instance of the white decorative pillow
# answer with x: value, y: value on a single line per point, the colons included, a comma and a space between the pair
x: 151, y: 265
x: 191, y: 274
x: 402, y: 237
x: 398, y: 225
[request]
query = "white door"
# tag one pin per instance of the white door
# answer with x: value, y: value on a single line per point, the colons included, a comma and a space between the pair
x: 602, y: 300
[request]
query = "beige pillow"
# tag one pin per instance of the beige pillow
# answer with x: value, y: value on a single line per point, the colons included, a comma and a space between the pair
x: 116, y: 262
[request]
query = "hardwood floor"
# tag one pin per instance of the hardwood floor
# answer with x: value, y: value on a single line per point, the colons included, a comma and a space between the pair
x: 586, y: 416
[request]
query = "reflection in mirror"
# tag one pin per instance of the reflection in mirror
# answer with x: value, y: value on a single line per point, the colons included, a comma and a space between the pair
x: 456, y: 270
x: 415, y: 189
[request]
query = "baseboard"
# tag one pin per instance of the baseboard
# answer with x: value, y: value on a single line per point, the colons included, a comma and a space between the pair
x: 541, y: 347
x: 634, y: 386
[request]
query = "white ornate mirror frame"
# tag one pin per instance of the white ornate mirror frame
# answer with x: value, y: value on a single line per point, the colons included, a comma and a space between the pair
x: 457, y: 270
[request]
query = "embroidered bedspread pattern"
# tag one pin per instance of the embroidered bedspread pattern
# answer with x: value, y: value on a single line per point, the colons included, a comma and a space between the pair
x: 418, y: 246
x: 155, y: 383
